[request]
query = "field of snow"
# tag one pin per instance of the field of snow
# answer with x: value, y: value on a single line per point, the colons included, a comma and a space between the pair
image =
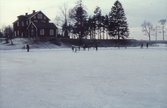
x: 107, y: 78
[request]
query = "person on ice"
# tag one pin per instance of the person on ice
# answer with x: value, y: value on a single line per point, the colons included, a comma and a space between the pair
x: 96, y: 48
x: 147, y: 45
x: 141, y: 46
x: 28, y: 47
x: 72, y: 48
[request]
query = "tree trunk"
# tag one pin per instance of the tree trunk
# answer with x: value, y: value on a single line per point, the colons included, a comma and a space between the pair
x: 163, y: 36
x: 149, y: 38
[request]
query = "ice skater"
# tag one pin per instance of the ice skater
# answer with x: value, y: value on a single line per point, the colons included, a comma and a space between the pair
x: 72, y: 48
x: 28, y: 47
x: 75, y: 50
x: 141, y: 46
x: 96, y: 48
x: 147, y: 45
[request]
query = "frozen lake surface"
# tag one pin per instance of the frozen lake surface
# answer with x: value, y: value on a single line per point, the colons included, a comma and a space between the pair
x: 107, y: 78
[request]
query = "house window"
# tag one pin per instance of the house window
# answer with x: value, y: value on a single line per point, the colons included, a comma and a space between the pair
x: 34, y: 17
x: 39, y: 16
x: 22, y: 34
x: 51, y: 32
x: 17, y: 23
x: 35, y: 21
x: 44, y: 18
x: 22, y: 23
x: 26, y: 22
x: 17, y: 32
x: 42, y: 32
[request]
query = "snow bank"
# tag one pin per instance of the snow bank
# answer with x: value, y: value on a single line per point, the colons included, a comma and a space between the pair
x: 19, y: 43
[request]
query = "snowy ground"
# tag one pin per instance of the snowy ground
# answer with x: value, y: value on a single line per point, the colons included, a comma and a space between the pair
x: 19, y: 43
x: 107, y: 78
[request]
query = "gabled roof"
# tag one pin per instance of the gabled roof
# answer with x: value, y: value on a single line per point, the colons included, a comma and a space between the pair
x: 42, y: 25
x: 29, y: 16
x: 33, y: 14
x: 15, y: 21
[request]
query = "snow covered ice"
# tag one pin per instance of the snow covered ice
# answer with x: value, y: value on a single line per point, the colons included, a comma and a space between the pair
x: 107, y: 78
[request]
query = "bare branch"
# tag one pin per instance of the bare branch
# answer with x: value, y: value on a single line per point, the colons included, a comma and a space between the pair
x: 147, y: 28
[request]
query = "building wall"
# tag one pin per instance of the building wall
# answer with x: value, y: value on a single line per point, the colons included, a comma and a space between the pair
x: 20, y: 26
x: 47, y: 33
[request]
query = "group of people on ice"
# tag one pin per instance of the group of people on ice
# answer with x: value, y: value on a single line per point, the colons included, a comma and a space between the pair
x: 141, y: 46
x: 76, y: 48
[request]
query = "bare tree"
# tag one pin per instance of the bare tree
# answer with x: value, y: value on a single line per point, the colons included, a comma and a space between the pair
x: 162, y: 22
x: 62, y: 19
x: 156, y: 29
x: 147, y: 28
x: 64, y: 10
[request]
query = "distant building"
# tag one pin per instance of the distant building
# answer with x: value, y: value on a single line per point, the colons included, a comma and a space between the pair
x: 35, y: 25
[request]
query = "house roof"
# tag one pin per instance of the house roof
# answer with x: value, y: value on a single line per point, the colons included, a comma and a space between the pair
x: 33, y: 14
x: 29, y: 16
x: 42, y: 25
x: 15, y: 21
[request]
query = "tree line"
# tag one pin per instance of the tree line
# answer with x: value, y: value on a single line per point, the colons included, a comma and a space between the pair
x: 149, y: 30
x: 78, y: 24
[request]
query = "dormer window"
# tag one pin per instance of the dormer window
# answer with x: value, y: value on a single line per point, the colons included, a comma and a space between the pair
x: 22, y: 23
x: 26, y: 22
x: 39, y: 16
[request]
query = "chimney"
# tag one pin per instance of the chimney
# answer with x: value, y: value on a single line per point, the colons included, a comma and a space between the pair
x: 26, y: 14
x: 33, y: 11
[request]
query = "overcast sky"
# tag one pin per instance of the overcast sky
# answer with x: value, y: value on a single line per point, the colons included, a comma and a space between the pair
x: 136, y: 11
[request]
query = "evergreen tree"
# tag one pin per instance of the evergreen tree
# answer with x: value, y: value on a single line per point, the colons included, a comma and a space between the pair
x: 94, y: 27
x: 102, y: 25
x: 79, y: 16
x: 118, y: 26
x: 90, y: 27
x: 98, y: 18
x: 106, y: 25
